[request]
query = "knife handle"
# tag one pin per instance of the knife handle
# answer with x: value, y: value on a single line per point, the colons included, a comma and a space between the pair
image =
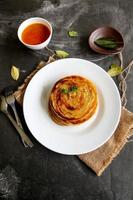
x: 24, y: 137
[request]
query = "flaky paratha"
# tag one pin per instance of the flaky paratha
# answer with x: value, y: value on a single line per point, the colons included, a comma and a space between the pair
x: 73, y: 100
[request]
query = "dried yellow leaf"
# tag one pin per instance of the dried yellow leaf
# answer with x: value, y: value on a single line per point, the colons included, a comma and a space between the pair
x: 73, y: 33
x: 61, y: 54
x: 115, y: 70
x: 15, y: 73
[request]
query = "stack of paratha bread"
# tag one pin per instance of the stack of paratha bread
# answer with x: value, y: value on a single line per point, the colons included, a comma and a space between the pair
x: 73, y: 100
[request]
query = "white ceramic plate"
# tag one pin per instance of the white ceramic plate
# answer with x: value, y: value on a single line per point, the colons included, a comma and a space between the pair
x: 78, y: 139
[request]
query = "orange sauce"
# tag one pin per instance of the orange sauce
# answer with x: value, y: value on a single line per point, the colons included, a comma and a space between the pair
x: 35, y: 34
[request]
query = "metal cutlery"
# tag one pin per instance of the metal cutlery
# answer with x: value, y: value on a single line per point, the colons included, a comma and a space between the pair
x: 10, y: 99
x: 4, y: 109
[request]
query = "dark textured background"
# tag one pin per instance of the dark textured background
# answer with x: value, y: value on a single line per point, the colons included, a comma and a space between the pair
x: 38, y: 173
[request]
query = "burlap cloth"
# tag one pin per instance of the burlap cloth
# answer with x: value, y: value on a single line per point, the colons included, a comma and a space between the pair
x: 99, y: 159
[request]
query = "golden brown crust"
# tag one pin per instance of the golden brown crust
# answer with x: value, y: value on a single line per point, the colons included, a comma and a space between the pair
x: 73, y: 100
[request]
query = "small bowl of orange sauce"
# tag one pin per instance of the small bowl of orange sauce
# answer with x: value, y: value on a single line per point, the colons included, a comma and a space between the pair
x: 35, y: 33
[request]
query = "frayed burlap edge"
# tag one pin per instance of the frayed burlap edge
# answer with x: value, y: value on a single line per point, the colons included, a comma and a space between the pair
x: 96, y: 160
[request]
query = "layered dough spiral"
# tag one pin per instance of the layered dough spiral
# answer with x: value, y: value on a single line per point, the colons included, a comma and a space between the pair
x: 73, y: 100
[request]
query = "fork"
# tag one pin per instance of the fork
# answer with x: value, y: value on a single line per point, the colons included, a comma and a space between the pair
x: 3, y: 107
x: 10, y: 99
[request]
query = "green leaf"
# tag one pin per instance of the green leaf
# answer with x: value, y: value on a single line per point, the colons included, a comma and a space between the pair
x: 65, y: 91
x: 73, y: 33
x: 109, y: 43
x: 115, y: 70
x: 61, y: 54
x: 73, y: 88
